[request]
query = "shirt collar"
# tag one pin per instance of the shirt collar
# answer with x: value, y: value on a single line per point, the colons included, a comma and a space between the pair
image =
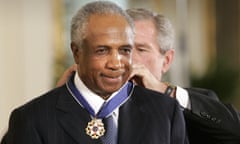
x: 94, y: 100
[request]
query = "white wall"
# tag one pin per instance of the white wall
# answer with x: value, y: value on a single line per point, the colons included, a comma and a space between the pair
x: 26, y: 53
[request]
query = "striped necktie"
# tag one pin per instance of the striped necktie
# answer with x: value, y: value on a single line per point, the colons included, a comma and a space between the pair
x: 110, y: 136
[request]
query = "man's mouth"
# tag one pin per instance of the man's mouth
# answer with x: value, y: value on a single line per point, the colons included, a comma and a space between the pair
x: 112, y: 78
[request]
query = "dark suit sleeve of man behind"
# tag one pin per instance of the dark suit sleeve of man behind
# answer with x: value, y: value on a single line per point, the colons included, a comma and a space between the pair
x: 211, y: 122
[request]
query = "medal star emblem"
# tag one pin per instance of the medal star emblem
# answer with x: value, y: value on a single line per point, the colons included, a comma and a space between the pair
x: 95, y: 128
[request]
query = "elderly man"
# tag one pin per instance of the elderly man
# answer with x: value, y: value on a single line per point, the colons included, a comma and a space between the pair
x: 98, y: 104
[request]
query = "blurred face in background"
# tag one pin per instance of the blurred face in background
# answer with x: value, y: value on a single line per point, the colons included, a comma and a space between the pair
x: 147, y: 50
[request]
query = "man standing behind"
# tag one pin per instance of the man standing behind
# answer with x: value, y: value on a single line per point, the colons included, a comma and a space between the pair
x: 98, y: 104
x: 208, y: 120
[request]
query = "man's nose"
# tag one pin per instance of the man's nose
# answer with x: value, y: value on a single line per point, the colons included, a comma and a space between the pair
x: 115, y: 61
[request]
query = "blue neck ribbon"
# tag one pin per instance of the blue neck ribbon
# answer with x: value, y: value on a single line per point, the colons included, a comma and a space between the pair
x: 120, y: 98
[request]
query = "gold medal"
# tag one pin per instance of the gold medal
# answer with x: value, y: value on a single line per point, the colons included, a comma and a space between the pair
x: 95, y: 128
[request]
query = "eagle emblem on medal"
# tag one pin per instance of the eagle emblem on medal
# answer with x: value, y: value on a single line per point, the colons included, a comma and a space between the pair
x: 95, y: 128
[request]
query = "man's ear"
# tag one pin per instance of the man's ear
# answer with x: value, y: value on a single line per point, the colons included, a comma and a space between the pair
x: 168, y: 59
x: 75, y: 52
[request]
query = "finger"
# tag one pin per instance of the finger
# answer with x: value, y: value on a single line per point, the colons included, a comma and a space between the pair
x: 66, y: 75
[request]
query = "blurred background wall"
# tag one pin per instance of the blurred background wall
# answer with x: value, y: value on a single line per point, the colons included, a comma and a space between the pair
x: 26, y: 53
x: 34, y: 46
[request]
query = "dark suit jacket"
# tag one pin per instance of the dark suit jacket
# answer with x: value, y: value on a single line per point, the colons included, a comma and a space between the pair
x: 147, y: 117
x: 210, y: 121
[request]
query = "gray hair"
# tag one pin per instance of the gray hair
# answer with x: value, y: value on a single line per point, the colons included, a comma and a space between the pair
x: 80, y: 20
x: 163, y: 26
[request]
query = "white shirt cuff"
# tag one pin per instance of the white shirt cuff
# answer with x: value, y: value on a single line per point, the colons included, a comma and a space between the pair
x: 183, y: 97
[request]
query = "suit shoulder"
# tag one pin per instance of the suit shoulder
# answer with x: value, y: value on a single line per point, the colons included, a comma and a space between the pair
x: 195, y: 91
x: 155, y: 102
x: 150, y: 95
x: 44, y: 101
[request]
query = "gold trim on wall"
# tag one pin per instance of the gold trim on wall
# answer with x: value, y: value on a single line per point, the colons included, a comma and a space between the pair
x: 60, y: 55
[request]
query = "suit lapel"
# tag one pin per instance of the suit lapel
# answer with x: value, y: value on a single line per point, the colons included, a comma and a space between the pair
x: 73, y: 118
x: 132, y: 121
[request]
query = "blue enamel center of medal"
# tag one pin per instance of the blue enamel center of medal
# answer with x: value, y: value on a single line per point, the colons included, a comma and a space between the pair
x: 108, y: 107
x: 95, y: 128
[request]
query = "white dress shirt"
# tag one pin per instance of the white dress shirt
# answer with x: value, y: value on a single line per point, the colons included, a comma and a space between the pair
x: 93, y: 99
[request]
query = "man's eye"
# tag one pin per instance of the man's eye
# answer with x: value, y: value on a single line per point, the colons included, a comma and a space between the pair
x: 141, y: 49
x: 126, y: 50
x: 101, y: 51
